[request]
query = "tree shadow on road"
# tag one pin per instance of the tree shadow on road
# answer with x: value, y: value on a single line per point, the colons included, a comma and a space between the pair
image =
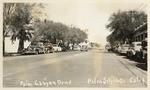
x: 132, y: 59
x: 142, y: 66
x: 139, y: 64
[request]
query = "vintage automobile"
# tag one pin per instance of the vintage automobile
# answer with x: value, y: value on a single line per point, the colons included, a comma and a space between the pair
x: 100, y: 48
x: 117, y: 49
x: 134, y: 50
x: 57, y: 48
x: 77, y: 48
x: 108, y: 47
x: 144, y: 50
x: 84, y: 48
x: 63, y: 46
x: 123, y: 48
x: 48, y: 48
x: 34, y: 48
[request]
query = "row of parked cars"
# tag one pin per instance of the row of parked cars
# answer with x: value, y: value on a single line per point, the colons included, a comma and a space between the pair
x: 136, y: 50
x: 39, y: 47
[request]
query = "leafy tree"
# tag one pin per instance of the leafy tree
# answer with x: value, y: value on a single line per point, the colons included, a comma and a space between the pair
x: 52, y: 31
x: 19, y: 21
x: 18, y: 16
x: 76, y: 36
x: 8, y: 14
x: 123, y: 24
x: 55, y: 32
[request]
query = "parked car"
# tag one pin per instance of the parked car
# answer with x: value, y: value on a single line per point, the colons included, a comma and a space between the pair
x: 63, y: 47
x: 108, y: 47
x: 101, y: 48
x: 49, y: 47
x: 57, y: 48
x: 84, y: 48
x: 77, y: 48
x: 144, y: 50
x: 134, y: 50
x: 119, y: 49
x: 35, y: 48
x: 116, y: 49
x: 123, y: 48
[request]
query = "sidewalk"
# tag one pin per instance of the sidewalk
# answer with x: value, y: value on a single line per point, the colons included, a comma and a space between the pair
x: 11, y: 54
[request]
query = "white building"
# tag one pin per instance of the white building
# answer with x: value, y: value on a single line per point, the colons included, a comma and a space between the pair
x: 12, y: 47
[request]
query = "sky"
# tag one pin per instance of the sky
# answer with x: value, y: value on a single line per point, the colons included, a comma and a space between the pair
x: 91, y: 16
x: 84, y: 14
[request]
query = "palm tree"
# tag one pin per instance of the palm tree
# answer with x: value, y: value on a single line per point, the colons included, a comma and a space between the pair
x: 22, y: 35
x: 18, y: 24
x: 8, y: 13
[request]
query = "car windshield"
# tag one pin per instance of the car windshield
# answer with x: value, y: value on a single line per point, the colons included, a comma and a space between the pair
x: 139, y: 44
x: 55, y: 45
x: 33, y: 44
x: 144, y: 43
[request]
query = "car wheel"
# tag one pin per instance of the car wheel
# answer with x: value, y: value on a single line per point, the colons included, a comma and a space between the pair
x: 48, y: 51
x: 128, y: 56
x: 36, y: 52
x: 52, y: 51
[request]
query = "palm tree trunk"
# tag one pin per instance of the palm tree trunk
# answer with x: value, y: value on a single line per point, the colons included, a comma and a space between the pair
x: 73, y: 46
x: 21, y: 46
x: 55, y: 40
x: 4, y: 28
x: 68, y: 46
x: 3, y: 45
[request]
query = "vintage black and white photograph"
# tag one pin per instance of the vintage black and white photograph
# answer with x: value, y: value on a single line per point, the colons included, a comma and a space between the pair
x: 75, y: 44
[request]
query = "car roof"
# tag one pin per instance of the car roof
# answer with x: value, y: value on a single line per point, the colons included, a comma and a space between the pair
x: 136, y: 42
x: 145, y: 40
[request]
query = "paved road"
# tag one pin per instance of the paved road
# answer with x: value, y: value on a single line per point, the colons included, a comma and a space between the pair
x: 73, y: 69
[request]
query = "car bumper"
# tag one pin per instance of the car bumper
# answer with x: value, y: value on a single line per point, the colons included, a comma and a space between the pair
x: 29, y: 52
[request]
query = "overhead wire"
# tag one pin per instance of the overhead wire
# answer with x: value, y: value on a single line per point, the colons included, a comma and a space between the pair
x: 143, y: 7
x: 139, y: 6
